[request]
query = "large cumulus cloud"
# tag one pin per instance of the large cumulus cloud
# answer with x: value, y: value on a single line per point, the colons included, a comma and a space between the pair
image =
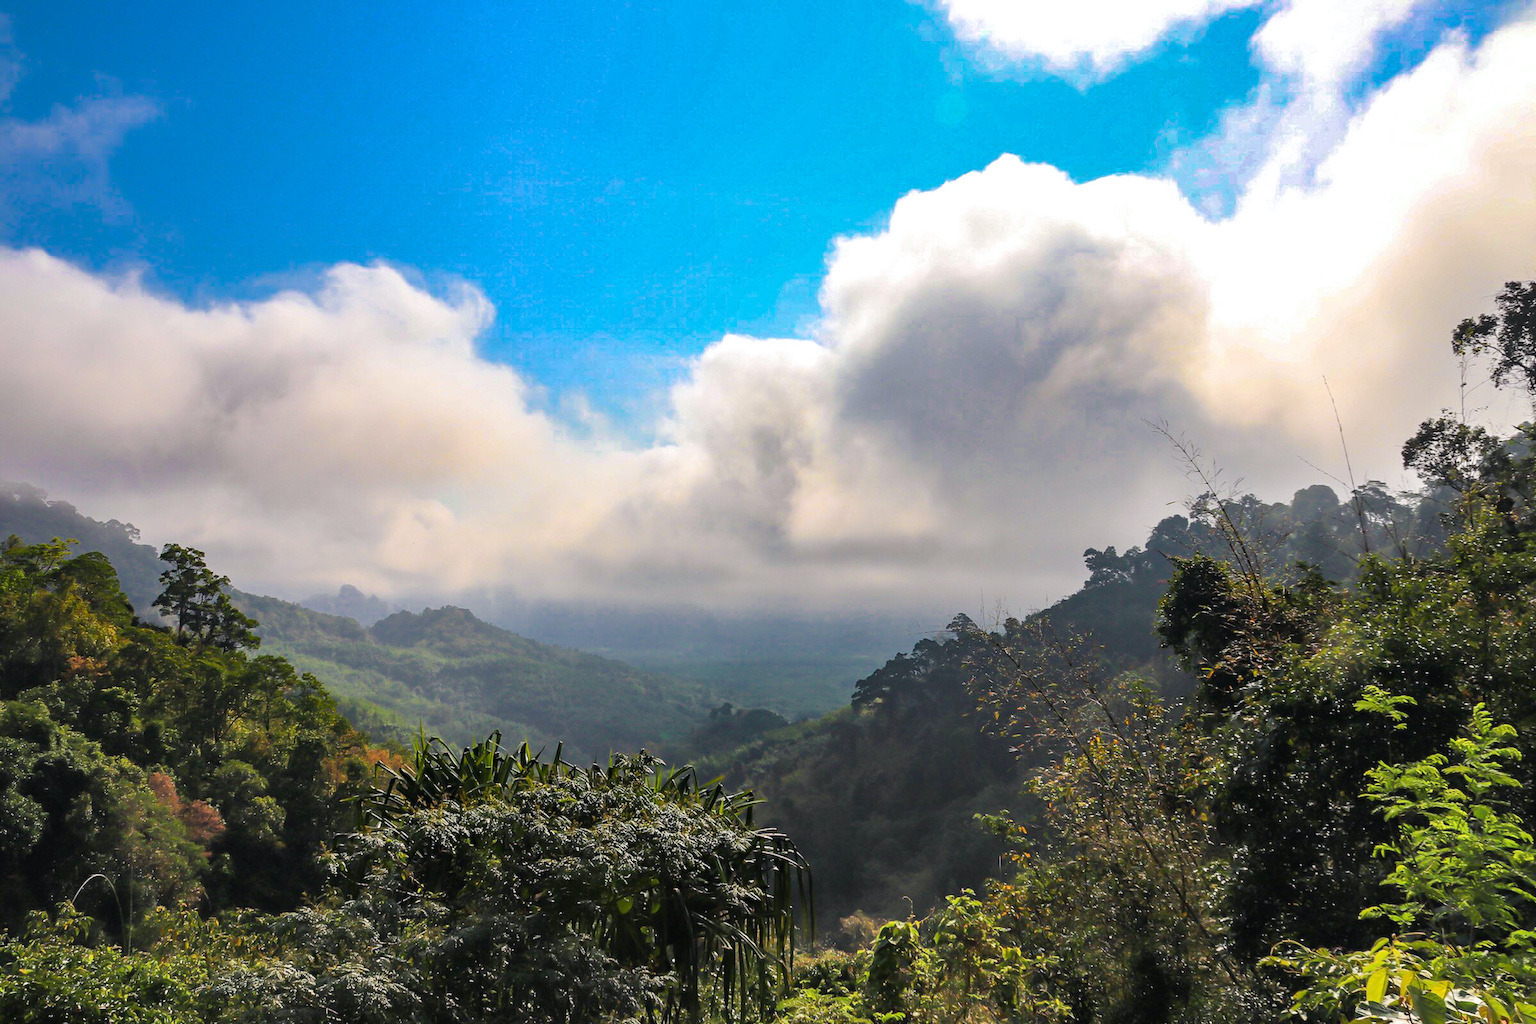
x: 969, y: 412
x: 353, y: 430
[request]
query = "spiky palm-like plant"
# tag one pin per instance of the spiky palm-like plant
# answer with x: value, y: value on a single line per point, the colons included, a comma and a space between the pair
x: 665, y: 876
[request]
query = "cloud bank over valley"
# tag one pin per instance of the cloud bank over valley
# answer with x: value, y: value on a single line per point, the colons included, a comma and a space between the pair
x: 968, y: 413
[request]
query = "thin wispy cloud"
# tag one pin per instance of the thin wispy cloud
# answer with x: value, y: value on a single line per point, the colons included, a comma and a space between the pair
x: 61, y: 159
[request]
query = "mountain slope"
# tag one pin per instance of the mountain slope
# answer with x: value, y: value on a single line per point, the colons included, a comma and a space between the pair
x: 26, y: 511
x: 881, y: 795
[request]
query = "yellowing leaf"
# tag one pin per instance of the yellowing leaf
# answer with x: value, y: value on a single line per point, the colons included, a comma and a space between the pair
x: 1376, y: 986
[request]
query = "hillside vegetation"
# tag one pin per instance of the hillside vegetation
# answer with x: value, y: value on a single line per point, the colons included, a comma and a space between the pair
x: 440, y: 669
x: 190, y: 832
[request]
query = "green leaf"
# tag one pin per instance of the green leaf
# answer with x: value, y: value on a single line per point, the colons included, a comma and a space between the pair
x: 1429, y: 1007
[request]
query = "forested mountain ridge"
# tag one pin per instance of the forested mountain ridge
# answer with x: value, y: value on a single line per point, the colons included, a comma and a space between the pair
x: 1116, y: 607
x: 338, y: 649
x: 442, y: 669
x: 882, y: 794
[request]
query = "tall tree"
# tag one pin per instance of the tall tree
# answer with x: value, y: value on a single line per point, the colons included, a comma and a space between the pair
x: 195, y: 598
x: 1510, y: 335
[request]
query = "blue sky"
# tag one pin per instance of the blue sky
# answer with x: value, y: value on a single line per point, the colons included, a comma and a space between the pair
x: 626, y: 182
x: 855, y: 355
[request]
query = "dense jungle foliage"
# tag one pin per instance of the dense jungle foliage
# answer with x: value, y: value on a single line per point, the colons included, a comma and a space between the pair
x: 190, y: 831
x: 1317, y: 809
x: 882, y: 795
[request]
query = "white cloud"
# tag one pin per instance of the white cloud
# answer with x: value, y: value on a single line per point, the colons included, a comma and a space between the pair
x: 1413, y: 221
x: 1316, y: 57
x: 1319, y: 41
x: 967, y: 415
x: 1328, y: 41
x: 1085, y: 40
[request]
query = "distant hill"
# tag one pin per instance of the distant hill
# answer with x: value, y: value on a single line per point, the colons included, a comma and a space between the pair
x: 441, y: 668
x: 462, y: 677
x: 353, y: 603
